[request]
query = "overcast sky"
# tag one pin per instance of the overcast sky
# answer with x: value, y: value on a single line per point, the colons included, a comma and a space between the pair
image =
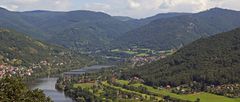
x: 132, y: 8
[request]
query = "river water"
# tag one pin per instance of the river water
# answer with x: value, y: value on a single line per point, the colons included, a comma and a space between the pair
x: 48, y: 84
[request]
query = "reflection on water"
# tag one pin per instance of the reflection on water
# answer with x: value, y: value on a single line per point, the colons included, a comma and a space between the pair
x: 48, y: 86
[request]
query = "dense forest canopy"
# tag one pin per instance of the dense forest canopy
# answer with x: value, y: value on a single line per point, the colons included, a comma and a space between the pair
x: 177, y: 31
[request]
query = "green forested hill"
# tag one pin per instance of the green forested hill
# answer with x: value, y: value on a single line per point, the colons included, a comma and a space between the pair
x: 13, y: 20
x: 160, y: 16
x: 181, y: 30
x: 213, y: 60
x: 19, y: 50
x: 123, y: 18
x: 94, y: 31
x: 74, y: 29
x: 86, y: 28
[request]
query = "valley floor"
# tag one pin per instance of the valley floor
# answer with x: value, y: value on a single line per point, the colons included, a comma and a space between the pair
x: 123, y: 90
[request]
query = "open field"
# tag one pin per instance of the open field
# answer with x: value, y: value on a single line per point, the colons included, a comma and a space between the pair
x: 124, y: 51
x: 130, y: 91
x: 124, y: 82
x: 203, y: 96
x: 142, y: 54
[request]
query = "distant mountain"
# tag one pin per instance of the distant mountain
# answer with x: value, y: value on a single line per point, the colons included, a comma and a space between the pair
x: 144, y: 21
x: 213, y: 61
x: 92, y: 31
x: 70, y: 29
x: 19, y: 50
x: 12, y: 20
x: 123, y: 18
x: 180, y: 30
x: 86, y: 29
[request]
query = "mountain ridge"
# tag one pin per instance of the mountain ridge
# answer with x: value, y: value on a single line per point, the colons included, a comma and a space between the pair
x: 176, y: 31
x: 80, y: 30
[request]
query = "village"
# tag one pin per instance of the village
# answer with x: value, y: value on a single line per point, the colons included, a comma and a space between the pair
x: 148, y: 58
x: 22, y: 71
x: 14, y: 71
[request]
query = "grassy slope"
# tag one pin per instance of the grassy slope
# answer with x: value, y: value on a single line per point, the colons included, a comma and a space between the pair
x: 83, y: 85
x: 122, y: 89
x: 204, y: 97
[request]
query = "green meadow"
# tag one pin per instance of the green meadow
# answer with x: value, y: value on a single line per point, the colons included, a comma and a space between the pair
x: 203, y: 96
x: 83, y: 85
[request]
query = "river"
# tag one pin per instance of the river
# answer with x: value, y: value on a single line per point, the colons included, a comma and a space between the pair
x: 48, y: 84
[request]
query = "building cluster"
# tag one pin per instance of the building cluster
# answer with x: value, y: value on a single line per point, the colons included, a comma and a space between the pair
x: 142, y: 60
x: 12, y: 71
x: 229, y: 90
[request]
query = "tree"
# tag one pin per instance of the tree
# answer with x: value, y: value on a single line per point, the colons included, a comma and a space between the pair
x: 197, y: 100
x: 14, y: 90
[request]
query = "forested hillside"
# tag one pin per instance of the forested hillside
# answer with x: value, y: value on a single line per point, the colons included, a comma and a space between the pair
x: 79, y: 30
x: 71, y: 29
x: 177, y: 31
x: 213, y: 61
x: 90, y: 32
x: 12, y: 20
x: 26, y: 53
x: 147, y: 20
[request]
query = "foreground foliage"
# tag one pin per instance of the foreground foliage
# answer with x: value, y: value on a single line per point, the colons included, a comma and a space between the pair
x: 14, y: 90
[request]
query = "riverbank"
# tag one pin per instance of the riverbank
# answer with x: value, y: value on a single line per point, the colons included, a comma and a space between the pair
x: 107, y: 85
x: 48, y: 84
